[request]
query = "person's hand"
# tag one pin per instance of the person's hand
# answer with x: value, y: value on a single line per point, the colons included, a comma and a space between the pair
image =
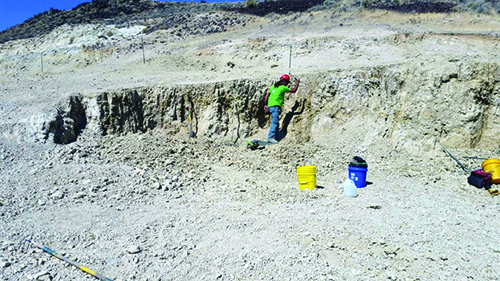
x: 266, y: 108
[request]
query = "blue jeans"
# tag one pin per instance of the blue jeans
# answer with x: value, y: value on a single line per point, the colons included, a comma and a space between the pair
x: 275, y: 123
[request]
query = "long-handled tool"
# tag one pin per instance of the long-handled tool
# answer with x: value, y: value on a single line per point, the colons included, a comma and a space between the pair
x: 190, y: 117
x: 290, y: 58
x: 454, y: 158
x: 81, y: 267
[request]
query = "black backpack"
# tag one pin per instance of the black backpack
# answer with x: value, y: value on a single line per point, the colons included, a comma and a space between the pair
x: 480, y: 179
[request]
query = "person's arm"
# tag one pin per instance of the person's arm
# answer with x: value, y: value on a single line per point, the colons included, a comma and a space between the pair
x: 266, y: 100
x: 296, y: 86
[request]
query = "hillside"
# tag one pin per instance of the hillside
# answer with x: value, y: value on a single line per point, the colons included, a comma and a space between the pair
x: 142, y: 12
x: 97, y: 163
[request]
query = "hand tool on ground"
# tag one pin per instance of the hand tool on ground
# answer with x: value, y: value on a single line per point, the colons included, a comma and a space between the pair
x: 258, y: 144
x: 54, y: 254
x: 252, y: 145
x: 458, y: 161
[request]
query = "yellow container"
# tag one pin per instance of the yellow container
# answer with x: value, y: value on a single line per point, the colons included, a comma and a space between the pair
x: 492, y: 166
x: 307, y: 177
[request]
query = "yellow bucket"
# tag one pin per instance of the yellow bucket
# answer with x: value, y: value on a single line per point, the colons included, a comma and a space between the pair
x: 492, y: 166
x: 307, y: 177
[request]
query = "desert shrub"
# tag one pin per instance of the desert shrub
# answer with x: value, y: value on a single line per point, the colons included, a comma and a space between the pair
x: 250, y: 3
x: 337, y: 5
x: 418, y: 6
x: 481, y: 6
x: 435, y: 6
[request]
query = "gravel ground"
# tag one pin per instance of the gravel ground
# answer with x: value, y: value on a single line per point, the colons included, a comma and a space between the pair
x: 156, y: 206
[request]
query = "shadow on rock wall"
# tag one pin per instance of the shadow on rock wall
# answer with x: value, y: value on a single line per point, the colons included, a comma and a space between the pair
x: 69, y: 122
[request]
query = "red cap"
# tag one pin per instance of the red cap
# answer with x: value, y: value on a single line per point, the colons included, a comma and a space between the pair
x: 285, y: 77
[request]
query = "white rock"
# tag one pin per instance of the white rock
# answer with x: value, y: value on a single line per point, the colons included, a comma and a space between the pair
x: 43, y: 275
x: 80, y: 195
x: 134, y: 249
x: 57, y: 195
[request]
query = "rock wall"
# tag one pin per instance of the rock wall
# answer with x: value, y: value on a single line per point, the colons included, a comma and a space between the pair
x: 454, y: 102
x: 68, y: 123
x: 166, y: 108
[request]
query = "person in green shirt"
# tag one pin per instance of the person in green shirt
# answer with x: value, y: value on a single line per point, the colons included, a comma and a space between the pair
x: 274, y: 100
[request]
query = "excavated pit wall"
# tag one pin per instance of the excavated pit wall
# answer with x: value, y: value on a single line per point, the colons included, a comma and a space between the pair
x: 454, y: 102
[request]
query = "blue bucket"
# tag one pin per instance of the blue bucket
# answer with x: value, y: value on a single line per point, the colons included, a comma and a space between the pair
x: 358, y: 176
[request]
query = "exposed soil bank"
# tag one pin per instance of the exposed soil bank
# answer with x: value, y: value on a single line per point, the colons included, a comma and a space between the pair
x: 452, y: 102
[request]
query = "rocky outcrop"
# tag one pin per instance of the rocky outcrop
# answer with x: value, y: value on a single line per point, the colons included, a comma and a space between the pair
x: 165, y: 108
x: 120, y: 112
x: 456, y: 103
x: 68, y: 123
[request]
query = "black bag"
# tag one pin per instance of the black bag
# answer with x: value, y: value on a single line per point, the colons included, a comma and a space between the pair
x: 357, y: 161
x: 480, y: 179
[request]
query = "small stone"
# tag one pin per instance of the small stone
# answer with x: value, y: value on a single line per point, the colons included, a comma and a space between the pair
x: 41, y: 202
x: 79, y: 195
x: 57, y: 195
x: 44, y: 276
x: 391, y: 251
x: 134, y: 249
x: 167, y: 185
x: 156, y: 185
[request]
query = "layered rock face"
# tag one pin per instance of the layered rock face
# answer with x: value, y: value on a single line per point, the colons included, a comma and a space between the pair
x: 454, y: 102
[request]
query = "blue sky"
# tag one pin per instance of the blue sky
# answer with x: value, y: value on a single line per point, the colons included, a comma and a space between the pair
x: 13, y: 12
